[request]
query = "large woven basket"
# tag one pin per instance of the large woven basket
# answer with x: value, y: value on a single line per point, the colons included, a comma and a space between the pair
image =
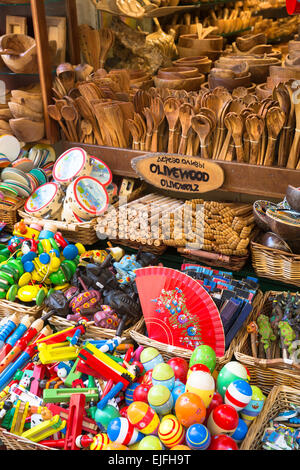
x: 84, y: 233
x: 8, y: 308
x: 92, y: 331
x: 13, y: 442
x: 266, y: 373
x: 278, y: 400
x: 10, y: 215
x: 275, y: 264
x: 169, y: 351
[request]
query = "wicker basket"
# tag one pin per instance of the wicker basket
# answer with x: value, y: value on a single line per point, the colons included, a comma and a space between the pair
x: 266, y: 373
x: 8, y: 308
x: 233, y: 263
x: 10, y: 215
x: 13, y: 442
x: 84, y: 233
x: 92, y: 331
x: 169, y: 351
x: 278, y: 400
x: 275, y: 264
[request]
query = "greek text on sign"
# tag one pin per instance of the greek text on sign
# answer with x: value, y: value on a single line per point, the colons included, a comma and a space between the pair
x: 179, y: 173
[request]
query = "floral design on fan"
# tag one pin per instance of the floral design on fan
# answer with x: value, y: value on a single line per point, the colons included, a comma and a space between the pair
x: 172, y: 307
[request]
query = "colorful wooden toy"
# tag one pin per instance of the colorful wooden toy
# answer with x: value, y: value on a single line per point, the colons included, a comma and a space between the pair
x: 100, y: 441
x: 129, y: 392
x: 229, y: 373
x: 150, y: 443
x: 150, y: 357
x: 240, y: 432
x: 143, y: 417
x: 201, y: 367
x: 198, y: 437
x: 115, y: 446
x: 190, y: 409
x: 147, y: 378
x: 104, y: 416
x: 140, y: 393
x: 180, y: 367
x: 171, y: 432
x: 216, y: 401
x: 177, y: 391
x: 204, y: 354
x: 180, y: 447
x: 224, y: 419
x: 238, y: 394
x: 254, y: 407
x: 160, y: 399
x: 120, y: 430
x: 202, y: 384
x: 163, y: 374
x: 222, y: 442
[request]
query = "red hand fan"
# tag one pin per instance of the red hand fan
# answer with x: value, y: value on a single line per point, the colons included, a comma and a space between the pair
x: 178, y: 310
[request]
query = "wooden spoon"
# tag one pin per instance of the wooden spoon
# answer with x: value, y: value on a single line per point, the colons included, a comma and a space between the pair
x: 275, y: 119
x: 185, y: 115
x: 281, y: 94
x: 158, y: 114
x: 202, y: 126
x: 106, y: 42
x: 86, y: 111
x: 135, y: 131
x: 150, y: 125
x: 255, y: 126
x: 70, y: 116
x: 55, y: 114
x: 171, y: 109
x: 237, y: 126
x: 293, y: 159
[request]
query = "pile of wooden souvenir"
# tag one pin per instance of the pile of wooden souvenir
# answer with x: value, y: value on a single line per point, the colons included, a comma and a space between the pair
x: 156, y: 221
x: 276, y: 249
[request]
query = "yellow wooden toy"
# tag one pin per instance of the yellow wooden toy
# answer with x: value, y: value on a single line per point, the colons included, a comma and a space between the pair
x: 49, y: 353
x: 45, y: 429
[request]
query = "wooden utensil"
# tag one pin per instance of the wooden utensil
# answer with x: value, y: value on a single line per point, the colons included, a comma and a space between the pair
x: 55, y: 114
x: 158, y: 114
x: 171, y: 109
x: 70, y: 116
x: 202, y: 126
x: 255, y: 127
x: 281, y: 94
x: 237, y: 126
x: 185, y: 115
x: 87, y: 113
x: 106, y: 43
x: 275, y: 119
x: 150, y: 125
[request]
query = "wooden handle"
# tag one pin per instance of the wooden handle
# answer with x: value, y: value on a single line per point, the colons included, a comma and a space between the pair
x: 171, y: 142
x: 269, y: 157
x: 253, y: 152
x: 154, y: 142
x: 294, y: 152
x: 182, y: 145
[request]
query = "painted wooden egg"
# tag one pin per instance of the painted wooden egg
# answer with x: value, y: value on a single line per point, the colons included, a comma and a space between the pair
x: 150, y: 357
x: 129, y: 392
x: 143, y: 417
x: 100, y: 441
x: 202, y: 384
x: 160, y: 399
x: 163, y: 374
x: 223, y: 419
x: 222, y: 442
x: 254, y: 407
x: 150, y: 443
x: 240, y: 432
x: 204, y: 354
x: 229, y: 373
x: 238, y: 394
x: 171, y: 432
x: 190, y: 409
x: 141, y: 392
x: 198, y: 437
x: 120, y: 430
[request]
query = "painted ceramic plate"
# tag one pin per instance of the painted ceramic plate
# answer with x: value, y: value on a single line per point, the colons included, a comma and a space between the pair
x: 100, y: 171
x: 40, y: 175
x: 23, y: 191
x: 45, y: 153
x: 43, y: 197
x: 70, y: 165
x: 10, y: 147
x: 13, y: 174
x: 7, y: 190
x: 90, y: 195
x: 23, y: 164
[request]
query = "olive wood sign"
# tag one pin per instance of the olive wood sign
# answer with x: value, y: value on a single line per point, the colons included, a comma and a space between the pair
x: 179, y: 173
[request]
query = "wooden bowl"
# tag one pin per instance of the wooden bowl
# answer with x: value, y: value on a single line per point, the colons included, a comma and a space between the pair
x: 19, y: 111
x: 293, y: 197
x: 228, y: 83
x: 203, y: 63
x: 210, y: 43
x: 25, y: 47
x: 27, y: 130
x: 187, y: 84
x: 170, y: 73
x: 259, y: 49
x: 190, y: 52
x: 248, y: 41
x: 272, y: 240
x: 285, y: 229
x: 260, y: 214
x: 262, y: 91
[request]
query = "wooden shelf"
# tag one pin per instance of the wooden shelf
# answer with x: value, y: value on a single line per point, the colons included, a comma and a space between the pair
x: 263, y: 181
x: 157, y: 12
